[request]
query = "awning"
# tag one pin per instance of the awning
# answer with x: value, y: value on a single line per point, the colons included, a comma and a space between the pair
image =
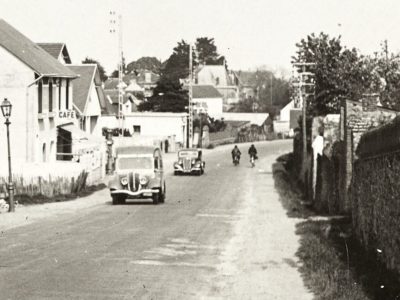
x: 76, y: 133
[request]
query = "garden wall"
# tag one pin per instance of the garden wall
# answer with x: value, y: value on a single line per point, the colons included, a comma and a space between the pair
x: 357, y: 117
x: 375, y: 193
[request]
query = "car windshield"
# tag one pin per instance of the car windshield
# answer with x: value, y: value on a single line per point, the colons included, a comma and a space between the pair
x: 135, y: 163
x: 188, y: 154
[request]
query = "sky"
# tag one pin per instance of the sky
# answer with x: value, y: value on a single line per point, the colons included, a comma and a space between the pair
x: 250, y: 33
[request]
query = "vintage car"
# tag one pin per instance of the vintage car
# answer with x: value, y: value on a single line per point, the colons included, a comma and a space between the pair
x: 189, y: 161
x: 138, y: 174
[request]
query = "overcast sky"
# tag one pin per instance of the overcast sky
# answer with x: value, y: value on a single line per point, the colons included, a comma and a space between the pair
x: 250, y: 33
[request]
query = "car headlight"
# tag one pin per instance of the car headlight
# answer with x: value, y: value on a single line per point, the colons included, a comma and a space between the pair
x: 124, y: 180
x: 193, y: 161
x: 143, y: 180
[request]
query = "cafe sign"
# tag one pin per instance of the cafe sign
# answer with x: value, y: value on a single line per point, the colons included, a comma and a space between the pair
x: 67, y: 114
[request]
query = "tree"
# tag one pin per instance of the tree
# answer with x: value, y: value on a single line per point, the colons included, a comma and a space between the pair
x: 102, y: 71
x: 145, y: 63
x: 207, y: 52
x: 168, y: 96
x: 177, y: 65
x: 345, y: 73
x: 269, y: 91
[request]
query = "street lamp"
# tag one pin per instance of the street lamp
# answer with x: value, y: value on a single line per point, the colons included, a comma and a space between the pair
x: 6, y: 107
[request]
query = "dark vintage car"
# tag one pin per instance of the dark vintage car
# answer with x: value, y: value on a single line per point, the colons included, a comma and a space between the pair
x: 138, y: 174
x: 189, y: 161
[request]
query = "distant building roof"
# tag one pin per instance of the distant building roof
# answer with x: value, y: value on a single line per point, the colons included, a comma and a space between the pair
x: 246, y: 78
x: 213, y: 74
x: 112, y: 95
x: 134, y: 87
x: 112, y: 84
x: 205, y: 91
x: 30, y: 53
x: 56, y: 49
x: 83, y: 84
x: 141, y: 78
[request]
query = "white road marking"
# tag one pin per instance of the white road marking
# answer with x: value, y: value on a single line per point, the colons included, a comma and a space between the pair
x: 218, y: 216
x: 170, y: 264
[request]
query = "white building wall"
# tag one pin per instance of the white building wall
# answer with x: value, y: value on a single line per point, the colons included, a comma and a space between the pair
x: 158, y: 124
x: 253, y: 118
x: 285, y: 112
x: 92, y: 111
x: 14, y: 79
x: 214, y: 105
x: 33, y: 136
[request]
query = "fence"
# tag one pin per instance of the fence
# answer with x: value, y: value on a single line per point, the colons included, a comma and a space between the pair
x: 46, y: 186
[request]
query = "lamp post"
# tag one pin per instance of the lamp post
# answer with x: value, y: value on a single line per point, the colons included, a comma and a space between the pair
x: 6, y: 110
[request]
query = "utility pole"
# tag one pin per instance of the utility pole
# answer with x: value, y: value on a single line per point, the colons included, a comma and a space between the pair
x: 190, y: 117
x: 120, y: 74
x: 302, y: 85
x: 120, y: 70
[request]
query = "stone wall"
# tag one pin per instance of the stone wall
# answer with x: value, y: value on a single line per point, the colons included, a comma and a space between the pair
x: 358, y: 117
x: 375, y: 193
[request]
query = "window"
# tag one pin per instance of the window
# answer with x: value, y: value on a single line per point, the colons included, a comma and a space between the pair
x: 217, y: 81
x: 156, y: 163
x: 50, y: 96
x: 59, y: 93
x: 44, y: 153
x: 67, y: 94
x: 40, y: 97
x: 128, y: 163
x: 136, y: 129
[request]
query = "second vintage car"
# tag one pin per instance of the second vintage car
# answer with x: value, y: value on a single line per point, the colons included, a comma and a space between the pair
x: 138, y: 174
x: 189, y: 161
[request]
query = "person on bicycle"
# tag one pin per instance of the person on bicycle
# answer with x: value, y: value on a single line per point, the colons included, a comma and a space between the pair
x: 253, y: 152
x: 236, y: 152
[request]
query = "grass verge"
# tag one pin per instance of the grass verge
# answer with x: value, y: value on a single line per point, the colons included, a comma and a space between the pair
x: 333, y: 264
x: 25, y: 199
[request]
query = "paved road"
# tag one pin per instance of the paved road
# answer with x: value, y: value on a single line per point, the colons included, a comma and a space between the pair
x: 221, y: 235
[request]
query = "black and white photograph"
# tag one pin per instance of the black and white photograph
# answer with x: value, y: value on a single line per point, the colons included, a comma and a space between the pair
x: 199, y: 150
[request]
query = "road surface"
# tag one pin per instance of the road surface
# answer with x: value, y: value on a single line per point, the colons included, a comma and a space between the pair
x: 223, y: 235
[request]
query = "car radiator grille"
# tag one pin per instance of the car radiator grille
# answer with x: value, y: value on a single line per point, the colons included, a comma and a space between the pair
x: 187, y: 164
x: 133, y: 181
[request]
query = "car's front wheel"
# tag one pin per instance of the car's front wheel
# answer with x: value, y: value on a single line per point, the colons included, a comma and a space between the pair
x: 163, y: 194
x: 156, y: 198
x: 118, y: 199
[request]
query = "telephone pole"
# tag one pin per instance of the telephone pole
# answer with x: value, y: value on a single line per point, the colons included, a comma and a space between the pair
x: 190, y: 108
x: 306, y: 80
x: 120, y: 70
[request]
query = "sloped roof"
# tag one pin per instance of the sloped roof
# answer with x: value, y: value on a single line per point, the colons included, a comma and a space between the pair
x: 105, y: 109
x: 113, y: 96
x: 134, y: 87
x: 30, y: 53
x: 205, y: 91
x: 208, y: 74
x: 112, y: 84
x: 140, y: 77
x: 56, y: 49
x: 246, y: 78
x: 83, y: 84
